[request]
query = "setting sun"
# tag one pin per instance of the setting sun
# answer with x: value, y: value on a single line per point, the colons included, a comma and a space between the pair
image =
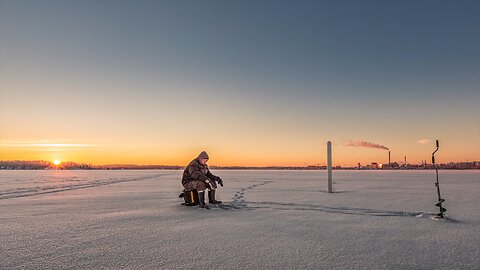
x: 56, y: 162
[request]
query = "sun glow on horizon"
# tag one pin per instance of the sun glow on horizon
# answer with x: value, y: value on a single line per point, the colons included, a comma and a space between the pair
x: 56, y: 162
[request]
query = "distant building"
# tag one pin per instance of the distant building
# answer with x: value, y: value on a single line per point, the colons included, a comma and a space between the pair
x: 390, y: 166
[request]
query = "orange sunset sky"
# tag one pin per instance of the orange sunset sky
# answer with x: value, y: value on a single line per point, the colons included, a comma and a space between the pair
x: 152, y: 82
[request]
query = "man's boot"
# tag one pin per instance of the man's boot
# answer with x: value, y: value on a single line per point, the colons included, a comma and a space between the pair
x: 211, y: 197
x: 201, y: 200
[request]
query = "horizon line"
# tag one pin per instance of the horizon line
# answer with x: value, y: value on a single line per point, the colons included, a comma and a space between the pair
x: 228, y: 166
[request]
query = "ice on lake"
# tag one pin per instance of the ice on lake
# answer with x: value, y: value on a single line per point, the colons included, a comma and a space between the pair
x: 279, y: 220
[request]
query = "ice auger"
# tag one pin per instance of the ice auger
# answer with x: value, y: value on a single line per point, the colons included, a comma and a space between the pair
x: 437, y: 184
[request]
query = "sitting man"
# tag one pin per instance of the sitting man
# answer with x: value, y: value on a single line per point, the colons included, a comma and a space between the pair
x: 197, y: 176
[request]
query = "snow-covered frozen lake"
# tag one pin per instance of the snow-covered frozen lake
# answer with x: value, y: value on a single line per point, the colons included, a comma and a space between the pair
x: 282, y: 220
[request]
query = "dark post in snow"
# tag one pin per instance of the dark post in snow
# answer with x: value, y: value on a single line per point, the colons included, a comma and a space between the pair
x: 329, y: 166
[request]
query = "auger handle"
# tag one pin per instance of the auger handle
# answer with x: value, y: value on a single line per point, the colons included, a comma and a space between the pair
x: 433, y: 154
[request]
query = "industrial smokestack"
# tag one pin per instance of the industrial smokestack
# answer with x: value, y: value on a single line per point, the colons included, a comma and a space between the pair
x: 388, y: 157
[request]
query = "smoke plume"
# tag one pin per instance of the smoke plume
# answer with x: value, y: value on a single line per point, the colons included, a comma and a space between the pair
x: 366, y: 144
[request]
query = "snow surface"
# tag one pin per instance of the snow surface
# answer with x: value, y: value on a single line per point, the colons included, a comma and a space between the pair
x: 281, y: 220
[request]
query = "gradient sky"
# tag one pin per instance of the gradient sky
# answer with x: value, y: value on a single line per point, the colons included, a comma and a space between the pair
x: 252, y: 82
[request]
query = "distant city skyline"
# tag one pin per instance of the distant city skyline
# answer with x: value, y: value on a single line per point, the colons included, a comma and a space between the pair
x: 254, y: 83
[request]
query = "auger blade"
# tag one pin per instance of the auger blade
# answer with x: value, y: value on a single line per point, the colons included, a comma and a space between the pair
x: 439, y: 204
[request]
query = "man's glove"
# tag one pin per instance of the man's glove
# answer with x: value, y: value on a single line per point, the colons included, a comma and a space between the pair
x: 220, y: 181
x: 211, y: 184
